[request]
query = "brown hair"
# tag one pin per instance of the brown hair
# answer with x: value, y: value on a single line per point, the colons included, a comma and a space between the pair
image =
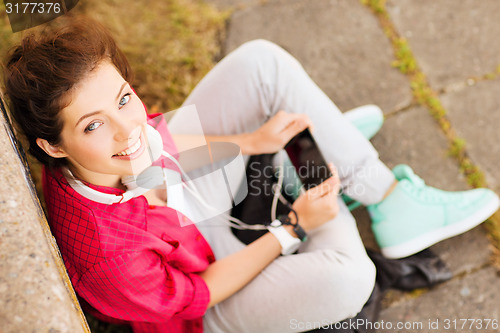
x: 40, y: 72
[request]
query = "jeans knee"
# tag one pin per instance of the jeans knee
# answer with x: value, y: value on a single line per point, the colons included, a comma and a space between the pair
x: 259, y: 46
x: 364, y: 282
x: 265, y: 54
x: 357, y: 280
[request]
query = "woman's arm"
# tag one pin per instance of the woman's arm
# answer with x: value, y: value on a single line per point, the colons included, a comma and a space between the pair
x: 226, y: 276
x: 245, y: 141
x: 269, y: 138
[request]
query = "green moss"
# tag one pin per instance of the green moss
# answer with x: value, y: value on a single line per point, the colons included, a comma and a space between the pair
x: 405, y: 61
x: 378, y: 6
x: 457, y: 147
x: 493, y: 227
x: 490, y: 76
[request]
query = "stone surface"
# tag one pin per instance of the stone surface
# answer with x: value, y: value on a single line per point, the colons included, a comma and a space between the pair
x: 413, y: 137
x: 473, y: 297
x: 466, y: 252
x: 474, y: 114
x: 35, y: 294
x: 364, y: 226
x: 235, y: 4
x: 339, y: 43
x: 451, y: 40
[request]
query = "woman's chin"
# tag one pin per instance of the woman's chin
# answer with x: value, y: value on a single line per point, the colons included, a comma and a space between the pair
x: 139, y: 165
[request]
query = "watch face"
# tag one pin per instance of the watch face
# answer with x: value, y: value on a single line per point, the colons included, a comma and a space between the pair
x: 289, y: 244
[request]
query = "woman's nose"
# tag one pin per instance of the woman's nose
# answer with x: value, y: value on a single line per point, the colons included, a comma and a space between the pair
x: 126, y: 129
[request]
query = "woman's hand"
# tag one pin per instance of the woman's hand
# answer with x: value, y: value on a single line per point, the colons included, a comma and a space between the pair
x: 277, y: 131
x: 318, y: 205
x: 315, y: 207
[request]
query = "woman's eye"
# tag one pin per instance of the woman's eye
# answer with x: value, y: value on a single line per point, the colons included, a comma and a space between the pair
x: 93, y: 126
x: 124, y: 100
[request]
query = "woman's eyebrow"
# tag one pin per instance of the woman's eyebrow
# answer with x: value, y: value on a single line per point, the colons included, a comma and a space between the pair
x: 96, y: 112
x: 86, y: 116
x: 121, y: 89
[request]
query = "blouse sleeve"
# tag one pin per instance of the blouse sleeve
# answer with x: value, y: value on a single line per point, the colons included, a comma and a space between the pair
x: 138, y: 286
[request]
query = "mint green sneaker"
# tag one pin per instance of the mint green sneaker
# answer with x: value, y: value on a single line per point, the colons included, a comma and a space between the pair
x: 415, y: 216
x: 368, y: 119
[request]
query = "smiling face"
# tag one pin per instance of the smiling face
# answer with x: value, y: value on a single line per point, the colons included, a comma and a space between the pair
x: 104, y: 131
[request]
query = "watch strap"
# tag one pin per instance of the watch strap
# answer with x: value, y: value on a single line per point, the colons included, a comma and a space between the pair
x: 299, y: 231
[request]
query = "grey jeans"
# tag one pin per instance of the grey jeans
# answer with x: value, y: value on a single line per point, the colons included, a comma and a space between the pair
x: 331, y: 277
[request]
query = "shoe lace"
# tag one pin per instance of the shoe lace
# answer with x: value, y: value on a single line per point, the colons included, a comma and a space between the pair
x: 422, y: 191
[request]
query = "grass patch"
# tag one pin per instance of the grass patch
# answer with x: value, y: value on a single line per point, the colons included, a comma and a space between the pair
x: 170, y: 44
x: 425, y: 96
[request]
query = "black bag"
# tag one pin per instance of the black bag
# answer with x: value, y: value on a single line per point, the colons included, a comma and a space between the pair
x: 421, y: 270
x: 256, y: 207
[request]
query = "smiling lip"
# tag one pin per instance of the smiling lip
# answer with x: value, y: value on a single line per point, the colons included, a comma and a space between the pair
x: 134, y: 154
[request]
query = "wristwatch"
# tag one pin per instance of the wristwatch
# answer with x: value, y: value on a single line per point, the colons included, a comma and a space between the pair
x: 289, y: 244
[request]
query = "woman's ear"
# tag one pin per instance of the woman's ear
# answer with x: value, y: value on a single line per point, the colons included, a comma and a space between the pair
x: 54, y: 151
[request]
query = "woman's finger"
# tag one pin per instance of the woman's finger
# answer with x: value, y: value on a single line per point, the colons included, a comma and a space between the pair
x: 335, y: 176
x: 308, y: 122
x: 322, y: 189
x: 292, y: 122
x: 294, y: 127
x: 280, y: 122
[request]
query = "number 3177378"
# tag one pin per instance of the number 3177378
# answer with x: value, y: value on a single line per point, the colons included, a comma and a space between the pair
x: 33, y: 7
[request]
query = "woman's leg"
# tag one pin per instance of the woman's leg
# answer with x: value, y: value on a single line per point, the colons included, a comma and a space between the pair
x: 332, y: 277
x: 328, y: 281
x: 257, y: 80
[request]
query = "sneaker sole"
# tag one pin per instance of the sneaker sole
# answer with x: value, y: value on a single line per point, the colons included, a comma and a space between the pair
x: 426, y: 240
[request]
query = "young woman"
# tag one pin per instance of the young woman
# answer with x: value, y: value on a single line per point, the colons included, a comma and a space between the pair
x: 126, y: 253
